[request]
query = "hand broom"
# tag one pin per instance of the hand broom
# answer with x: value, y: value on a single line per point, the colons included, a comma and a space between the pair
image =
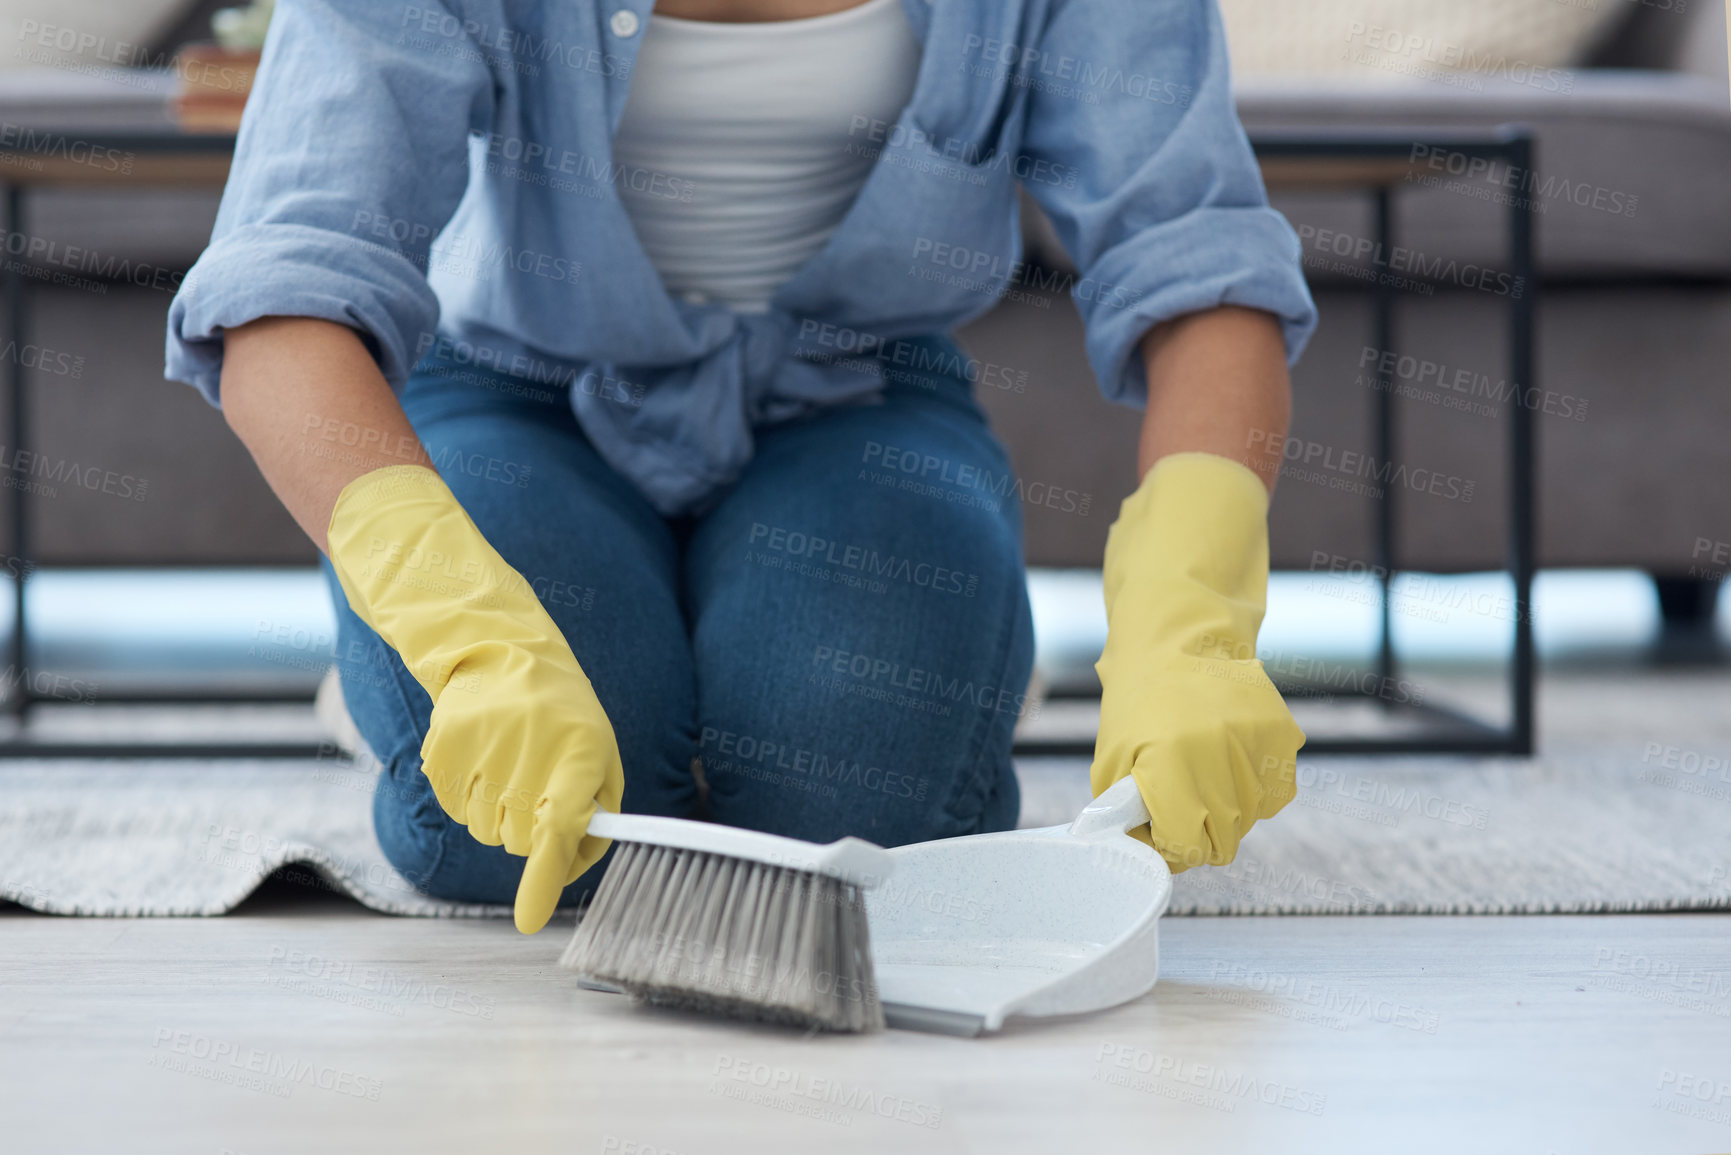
x: 733, y: 922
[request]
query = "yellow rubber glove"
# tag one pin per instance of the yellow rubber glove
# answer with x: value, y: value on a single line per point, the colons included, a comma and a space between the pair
x: 1186, y: 708
x: 519, y: 749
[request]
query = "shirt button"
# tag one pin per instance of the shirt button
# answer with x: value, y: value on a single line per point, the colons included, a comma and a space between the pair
x: 623, y: 23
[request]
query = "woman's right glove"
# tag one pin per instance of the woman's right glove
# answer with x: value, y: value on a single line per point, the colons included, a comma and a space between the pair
x: 519, y: 749
x: 1186, y: 709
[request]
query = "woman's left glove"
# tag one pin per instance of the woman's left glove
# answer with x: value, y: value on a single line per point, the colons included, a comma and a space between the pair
x: 1186, y: 707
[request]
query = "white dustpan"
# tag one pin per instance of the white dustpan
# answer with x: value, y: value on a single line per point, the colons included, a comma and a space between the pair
x: 966, y: 932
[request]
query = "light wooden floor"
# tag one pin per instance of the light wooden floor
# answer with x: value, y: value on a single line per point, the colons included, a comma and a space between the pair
x: 304, y: 1025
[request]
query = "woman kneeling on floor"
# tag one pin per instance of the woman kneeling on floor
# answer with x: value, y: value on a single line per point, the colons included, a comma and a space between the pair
x: 603, y: 352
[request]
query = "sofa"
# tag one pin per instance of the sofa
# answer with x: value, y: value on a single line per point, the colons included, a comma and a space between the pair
x: 1634, y: 336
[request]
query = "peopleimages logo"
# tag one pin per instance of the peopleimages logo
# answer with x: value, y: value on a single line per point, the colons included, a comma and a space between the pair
x: 532, y: 160
x: 1036, y: 67
x: 1403, y: 799
x: 1353, y: 465
x: 1465, y: 390
x: 270, y: 1070
x: 1118, y: 1064
x: 1535, y: 190
x: 930, y: 471
x: 981, y: 269
x: 59, y: 146
x: 1413, y: 262
x: 969, y: 156
x: 801, y: 1088
x: 512, y: 42
x: 30, y: 471
x: 826, y: 343
x: 917, y: 681
x: 37, y: 250
x: 821, y: 551
x: 43, y: 359
x: 1392, y: 42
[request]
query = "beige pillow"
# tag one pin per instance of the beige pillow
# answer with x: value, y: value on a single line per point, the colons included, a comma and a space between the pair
x: 75, y: 34
x: 1458, y: 42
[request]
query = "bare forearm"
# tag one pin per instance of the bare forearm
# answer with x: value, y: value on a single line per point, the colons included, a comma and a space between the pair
x: 1217, y: 383
x: 306, y: 399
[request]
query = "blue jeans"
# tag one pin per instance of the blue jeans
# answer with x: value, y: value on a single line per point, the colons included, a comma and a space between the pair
x: 840, y: 643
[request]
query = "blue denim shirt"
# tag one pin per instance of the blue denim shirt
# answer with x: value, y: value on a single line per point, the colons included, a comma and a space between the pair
x: 438, y: 175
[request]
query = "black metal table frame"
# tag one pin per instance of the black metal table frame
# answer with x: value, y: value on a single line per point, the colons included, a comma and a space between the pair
x: 1513, y: 146
x: 1452, y: 732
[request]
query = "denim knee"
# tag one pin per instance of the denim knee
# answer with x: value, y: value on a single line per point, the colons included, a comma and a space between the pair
x: 863, y: 646
x: 407, y: 820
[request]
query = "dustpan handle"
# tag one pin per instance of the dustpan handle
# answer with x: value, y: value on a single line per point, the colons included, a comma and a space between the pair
x: 1119, y: 809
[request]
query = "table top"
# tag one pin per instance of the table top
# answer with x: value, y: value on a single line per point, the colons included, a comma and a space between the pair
x: 166, y: 155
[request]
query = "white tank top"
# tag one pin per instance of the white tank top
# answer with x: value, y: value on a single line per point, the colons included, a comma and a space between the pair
x: 742, y: 145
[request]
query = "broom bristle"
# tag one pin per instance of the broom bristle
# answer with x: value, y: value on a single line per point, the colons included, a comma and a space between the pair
x: 708, y: 932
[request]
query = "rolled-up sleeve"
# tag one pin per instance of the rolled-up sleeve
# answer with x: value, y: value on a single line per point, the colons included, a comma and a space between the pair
x: 1160, y: 202
x: 352, y: 157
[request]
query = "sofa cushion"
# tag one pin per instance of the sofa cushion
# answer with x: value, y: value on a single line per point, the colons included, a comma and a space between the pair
x: 80, y: 34
x: 1389, y: 39
x: 1632, y: 468
x: 1669, y: 34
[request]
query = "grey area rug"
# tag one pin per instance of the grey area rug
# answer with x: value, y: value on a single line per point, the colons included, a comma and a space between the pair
x: 1589, y: 832
x: 162, y: 838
